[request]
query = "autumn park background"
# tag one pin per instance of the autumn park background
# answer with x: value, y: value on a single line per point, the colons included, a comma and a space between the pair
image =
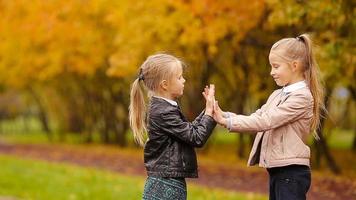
x: 65, y: 74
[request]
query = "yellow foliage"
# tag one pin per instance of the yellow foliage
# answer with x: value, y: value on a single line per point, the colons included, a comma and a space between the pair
x: 41, y: 40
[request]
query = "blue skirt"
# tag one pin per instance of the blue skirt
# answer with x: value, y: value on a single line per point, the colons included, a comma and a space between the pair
x: 157, y: 188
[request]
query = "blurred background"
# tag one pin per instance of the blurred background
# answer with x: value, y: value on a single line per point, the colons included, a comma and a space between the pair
x: 65, y: 74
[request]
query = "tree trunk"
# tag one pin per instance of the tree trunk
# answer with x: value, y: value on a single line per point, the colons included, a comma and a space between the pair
x: 88, y: 137
x: 121, y: 129
x: 197, y: 106
x: 241, y: 58
x: 354, y: 142
x: 118, y: 121
x: 352, y: 90
x: 105, y: 131
x: 241, y: 146
x: 42, y: 115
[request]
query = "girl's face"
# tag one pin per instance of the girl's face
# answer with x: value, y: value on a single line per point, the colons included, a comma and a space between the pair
x: 175, y: 86
x: 281, y: 70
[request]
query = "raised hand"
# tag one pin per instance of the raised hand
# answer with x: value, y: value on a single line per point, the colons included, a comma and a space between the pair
x: 218, y: 115
x: 209, y: 95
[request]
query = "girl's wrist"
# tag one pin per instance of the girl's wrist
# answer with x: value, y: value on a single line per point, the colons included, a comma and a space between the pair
x: 209, y: 112
x: 226, y: 122
x: 225, y: 114
x: 229, y: 123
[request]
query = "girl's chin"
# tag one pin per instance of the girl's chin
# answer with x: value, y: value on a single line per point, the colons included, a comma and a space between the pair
x: 179, y: 95
x: 279, y: 83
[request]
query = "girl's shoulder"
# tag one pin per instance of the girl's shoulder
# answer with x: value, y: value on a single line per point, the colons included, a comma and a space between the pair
x: 160, y: 107
x: 301, y: 98
x: 303, y: 94
x: 274, y: 94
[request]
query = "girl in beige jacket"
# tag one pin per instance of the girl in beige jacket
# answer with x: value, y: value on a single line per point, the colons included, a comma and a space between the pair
x: 284, y: 122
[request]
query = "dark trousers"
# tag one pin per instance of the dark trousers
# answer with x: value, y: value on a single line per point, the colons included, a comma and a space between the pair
x: 289, y: 183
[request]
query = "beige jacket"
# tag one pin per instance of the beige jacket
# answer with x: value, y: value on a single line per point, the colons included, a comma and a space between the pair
x: 283, y: 125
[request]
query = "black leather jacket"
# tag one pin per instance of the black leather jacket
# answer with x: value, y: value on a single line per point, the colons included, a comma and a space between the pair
x: 169, y: 152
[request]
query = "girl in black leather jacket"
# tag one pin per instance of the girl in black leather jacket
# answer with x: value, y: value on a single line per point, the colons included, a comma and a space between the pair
x: 169, y: 153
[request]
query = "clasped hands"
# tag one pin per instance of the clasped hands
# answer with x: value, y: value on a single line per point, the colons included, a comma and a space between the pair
x: 212, y: 106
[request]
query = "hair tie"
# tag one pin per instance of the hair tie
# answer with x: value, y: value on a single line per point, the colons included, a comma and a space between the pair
x: 300, y: 38
x: 140, y: 75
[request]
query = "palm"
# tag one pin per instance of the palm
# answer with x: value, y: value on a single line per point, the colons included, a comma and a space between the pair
x: 218, y: 113
x: 208, y: 94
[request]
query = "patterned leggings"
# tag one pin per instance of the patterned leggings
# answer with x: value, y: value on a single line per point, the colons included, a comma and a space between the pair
x: 157, y: 188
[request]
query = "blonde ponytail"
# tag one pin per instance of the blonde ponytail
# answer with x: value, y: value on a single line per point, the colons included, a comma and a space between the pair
x: 137, y: 112
x: 312, y: 76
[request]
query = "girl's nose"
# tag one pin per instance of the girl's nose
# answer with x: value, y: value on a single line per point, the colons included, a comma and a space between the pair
x: 272, y: 72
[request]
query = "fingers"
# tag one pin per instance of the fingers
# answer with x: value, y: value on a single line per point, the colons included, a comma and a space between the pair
x: 209, y: 93
x: 212, y: 89
x: 216, y: 106
x: 205, y: 93
x: 218, y: 114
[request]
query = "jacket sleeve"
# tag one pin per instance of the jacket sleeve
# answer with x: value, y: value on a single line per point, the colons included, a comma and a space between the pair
x: 232, y: 115
x: 292, y: 109
x: 195, y: 134
x: 198, y: 119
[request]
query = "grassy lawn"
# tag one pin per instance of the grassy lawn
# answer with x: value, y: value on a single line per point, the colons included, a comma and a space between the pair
x: 37, y: 180
x: 340, y: 139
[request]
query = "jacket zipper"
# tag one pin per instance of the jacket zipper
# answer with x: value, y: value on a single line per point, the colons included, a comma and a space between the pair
x: 265, y: 158
x: 183, y: 162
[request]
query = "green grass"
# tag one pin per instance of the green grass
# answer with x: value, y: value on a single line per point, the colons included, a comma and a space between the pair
x: 31, y: 138
x: 38, y: 137
x: 340, y: 139
x: 37, y: 180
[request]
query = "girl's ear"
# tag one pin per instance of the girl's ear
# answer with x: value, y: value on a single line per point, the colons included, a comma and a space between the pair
x: 295, y: 65
x: 164, y: 84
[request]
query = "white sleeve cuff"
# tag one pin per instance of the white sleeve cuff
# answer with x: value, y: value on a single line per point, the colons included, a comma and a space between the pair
x: 229, y: 123
x: 226, y: 114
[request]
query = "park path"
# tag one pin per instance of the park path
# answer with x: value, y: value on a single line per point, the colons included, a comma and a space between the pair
x: 235, y: 178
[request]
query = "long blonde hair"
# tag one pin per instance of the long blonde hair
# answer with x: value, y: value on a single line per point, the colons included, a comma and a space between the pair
x: 154, y: 69
x: 300, y: 48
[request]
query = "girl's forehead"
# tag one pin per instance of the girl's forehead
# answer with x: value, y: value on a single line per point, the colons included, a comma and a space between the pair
x: 177, y: 67
x: 276, y: 56
x: 273, y: 57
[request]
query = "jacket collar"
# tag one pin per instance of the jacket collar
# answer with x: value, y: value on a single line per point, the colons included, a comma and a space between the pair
x: 293, y: 87
x: 174, y: 103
